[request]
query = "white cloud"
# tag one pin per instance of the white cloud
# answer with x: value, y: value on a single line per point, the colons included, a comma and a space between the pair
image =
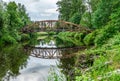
x: 39, y: 9
x: 46, y: 14
x: 51, y: 11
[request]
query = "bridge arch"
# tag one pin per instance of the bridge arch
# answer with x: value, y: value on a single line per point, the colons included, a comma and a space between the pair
x: 53, y: 25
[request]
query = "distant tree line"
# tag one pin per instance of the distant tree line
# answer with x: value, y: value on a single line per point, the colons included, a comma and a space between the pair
x: 13, y: 17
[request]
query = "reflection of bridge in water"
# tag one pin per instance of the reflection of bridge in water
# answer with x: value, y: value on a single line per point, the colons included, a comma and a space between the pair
x: 52, y: 53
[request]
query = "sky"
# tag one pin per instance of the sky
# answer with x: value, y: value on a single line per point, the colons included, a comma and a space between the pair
x: 40, y: 9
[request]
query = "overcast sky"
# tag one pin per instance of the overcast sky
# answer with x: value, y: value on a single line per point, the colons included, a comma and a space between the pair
x: 40, y: 9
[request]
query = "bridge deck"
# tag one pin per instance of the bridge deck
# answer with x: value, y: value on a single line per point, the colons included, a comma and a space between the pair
x: 54, y: 25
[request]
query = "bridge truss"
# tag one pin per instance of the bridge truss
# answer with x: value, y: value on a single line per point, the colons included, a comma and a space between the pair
x: 53, y: 25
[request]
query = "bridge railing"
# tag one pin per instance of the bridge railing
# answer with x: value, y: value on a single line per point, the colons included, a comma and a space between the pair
x: 54, y: 25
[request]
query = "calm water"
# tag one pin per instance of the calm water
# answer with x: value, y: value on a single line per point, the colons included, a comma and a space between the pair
x: 23, y: 63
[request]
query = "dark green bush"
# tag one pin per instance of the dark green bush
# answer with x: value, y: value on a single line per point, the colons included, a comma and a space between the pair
x: 25, y: 37
x: 51, y: 33
x: 86, y: 20
x: 110, y: 29
x: 17, y: 37
x: 8, y: 39
x: 76, y: 18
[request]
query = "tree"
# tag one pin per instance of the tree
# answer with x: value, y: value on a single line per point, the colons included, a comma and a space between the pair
x: 12, y: 18
x: 112, y: 27
x: 75, y: 18
x: 23, y: 15
x: 64, y: 8
x: 101, y: 15
x: 86, y: 20
x: 70, y: 9
x: 93, y: 4
x: 1, y: 18
x: 77, y: 6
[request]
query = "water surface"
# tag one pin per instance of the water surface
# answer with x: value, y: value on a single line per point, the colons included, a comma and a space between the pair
x: 21, y: 63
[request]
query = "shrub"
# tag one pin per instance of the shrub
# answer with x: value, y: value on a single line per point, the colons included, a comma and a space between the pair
x: 110, y: 29
x: 75, y: 18
x: 89, y: 39
x: 8, y: 39
x: 86, y: 20
x: 25, y: 37
x: 51, y: 33
x: 17, y: 37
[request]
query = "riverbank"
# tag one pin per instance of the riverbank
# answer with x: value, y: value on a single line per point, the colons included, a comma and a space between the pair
x: 99, y: 62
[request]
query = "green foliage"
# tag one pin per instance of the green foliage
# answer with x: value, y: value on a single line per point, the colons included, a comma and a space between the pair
x: 110, y: 29
x: 71, y: 10
x: 101, y: 15
x: 86, y: 20
x: 89, y: 39
x: 73, y: 37
x: 25, y: 37
x: 115, y: 40
x: 75, y: 18
x: 12, y: 18
x: 107, y: 52
x: 93, y: 4
x: 23, y: 15
x: 8, y: 39
x: 51, y: 33
x: 64, y: 9
x: 79, y: 35
x: 12, y: 59
x: 105, y: 66
x: 113, y: 77
x: 54, y: 76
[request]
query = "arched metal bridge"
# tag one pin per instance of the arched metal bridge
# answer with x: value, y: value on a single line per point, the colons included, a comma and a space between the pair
x: 53, y: 25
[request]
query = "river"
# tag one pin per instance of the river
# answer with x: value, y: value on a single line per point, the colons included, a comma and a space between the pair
x: 23, y: 63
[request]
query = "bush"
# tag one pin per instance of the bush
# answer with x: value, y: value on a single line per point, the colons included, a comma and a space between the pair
x: 115, y: 40
x: 25, y: 37
x: 51, y: 33
x: 89, y: 39
x: 86, y: 20
x: 33, y: 35
x: 75, y: 18
x: 71, y: 34
x: 17, y: 37
x: 8, y: 39
x: 110, y: 29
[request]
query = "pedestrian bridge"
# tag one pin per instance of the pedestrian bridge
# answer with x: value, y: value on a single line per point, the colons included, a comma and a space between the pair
x: 53, y: 25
